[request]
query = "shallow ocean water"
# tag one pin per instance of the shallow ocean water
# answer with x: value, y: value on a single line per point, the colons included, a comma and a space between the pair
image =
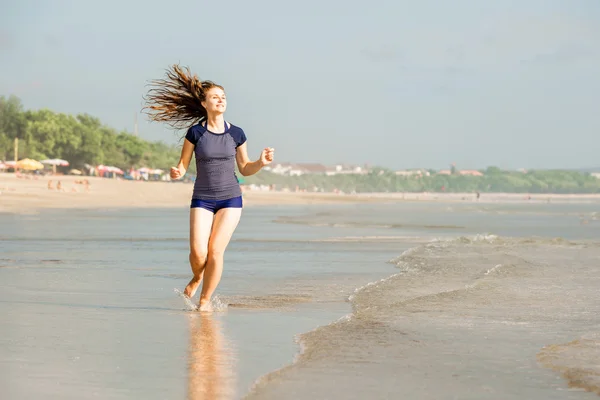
x: 90, y: 310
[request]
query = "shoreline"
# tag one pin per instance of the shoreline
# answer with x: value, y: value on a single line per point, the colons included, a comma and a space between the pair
x: 262, y: 387
x: 22, y: 196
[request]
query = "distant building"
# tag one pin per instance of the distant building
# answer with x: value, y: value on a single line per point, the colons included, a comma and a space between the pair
x: 279, y: 168
x: 470, y: 172
x: 340, y: 169
x: 297, y: 169
x: 465, y: 172
x: 595, y: 175
x: 412, y: 172
x: 301, y: 169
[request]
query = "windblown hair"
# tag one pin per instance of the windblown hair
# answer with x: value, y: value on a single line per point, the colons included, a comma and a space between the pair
x: 177, y: 99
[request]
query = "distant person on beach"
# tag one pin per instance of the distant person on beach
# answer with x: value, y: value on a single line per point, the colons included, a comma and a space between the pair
x: 184, y: 102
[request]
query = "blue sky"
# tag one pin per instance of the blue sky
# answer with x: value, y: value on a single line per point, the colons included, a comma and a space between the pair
x: 394, y: 83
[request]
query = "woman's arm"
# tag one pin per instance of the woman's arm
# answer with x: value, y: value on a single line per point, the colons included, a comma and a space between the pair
x: 248, y: 167
x: 184, y: 161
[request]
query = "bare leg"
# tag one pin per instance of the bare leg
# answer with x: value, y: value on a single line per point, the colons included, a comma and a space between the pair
x: 226, y: 220
x: 201, y: 221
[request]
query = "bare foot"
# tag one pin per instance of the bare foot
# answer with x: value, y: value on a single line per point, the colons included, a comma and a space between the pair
x: 205, y: 305
x: 192, y: 286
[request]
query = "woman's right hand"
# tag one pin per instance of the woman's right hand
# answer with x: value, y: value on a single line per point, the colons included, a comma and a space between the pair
x: 175, y: 173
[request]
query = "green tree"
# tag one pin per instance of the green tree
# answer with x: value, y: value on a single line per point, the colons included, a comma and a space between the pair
x: 12, y: 125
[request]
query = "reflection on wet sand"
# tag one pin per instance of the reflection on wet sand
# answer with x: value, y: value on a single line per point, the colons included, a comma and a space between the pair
x: 210, y: 360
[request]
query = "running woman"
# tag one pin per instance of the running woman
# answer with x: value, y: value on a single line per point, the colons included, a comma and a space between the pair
x: 185, y: 102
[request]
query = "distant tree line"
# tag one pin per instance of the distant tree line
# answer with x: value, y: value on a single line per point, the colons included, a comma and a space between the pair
x: 493, y: 180
x: 84, y: 139
x: 78, y: 139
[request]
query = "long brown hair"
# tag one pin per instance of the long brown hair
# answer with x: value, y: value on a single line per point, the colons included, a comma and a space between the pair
x: 177, y: 99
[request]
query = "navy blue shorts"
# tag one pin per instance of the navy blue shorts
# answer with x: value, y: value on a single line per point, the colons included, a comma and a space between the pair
x: 215, y: 205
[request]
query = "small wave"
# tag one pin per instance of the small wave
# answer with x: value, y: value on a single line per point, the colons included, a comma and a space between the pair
x: 350, y: 224
x: 492, y: 270
x: 271, y: 240
x: 338, y: 239
x: 378, y: 239
x: 488, y: 239
x: 405, y: 254
x: 168, y: 276
x: 266, y: 302
x: 507, y: 241
x: 360, y: 289
x: 466, y: 257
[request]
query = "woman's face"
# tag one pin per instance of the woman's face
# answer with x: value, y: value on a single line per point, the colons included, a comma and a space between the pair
x: 215, y: 101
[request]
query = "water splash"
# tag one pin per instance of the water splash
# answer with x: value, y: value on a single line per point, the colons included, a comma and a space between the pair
x: 215, y: 305
x: 188, y: 302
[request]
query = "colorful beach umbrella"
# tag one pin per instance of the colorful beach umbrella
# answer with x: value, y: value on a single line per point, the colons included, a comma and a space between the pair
x: 109, y: 168
x: 56, y: 162
x: 29, y: 164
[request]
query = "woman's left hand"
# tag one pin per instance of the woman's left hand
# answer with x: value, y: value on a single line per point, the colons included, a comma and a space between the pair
x: 266, y: 157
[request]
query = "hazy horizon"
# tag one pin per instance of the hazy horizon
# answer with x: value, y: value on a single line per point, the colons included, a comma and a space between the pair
x: 396, y: 84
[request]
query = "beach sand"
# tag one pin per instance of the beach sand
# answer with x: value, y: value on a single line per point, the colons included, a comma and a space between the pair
x: 31, y: 194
